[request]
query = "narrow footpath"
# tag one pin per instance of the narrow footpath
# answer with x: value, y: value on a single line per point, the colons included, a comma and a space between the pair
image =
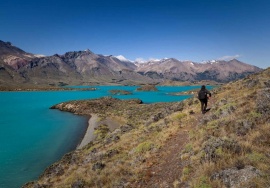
x: 167, y: 167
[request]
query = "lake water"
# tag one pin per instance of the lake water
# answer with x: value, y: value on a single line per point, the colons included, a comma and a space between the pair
x: 32, y: 136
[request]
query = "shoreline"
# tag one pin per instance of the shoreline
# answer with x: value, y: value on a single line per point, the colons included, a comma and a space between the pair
x: 89, y: 134
x: 94, y: 123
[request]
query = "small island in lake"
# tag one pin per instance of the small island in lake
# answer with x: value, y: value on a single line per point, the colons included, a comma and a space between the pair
x: 120, y: 92
x: 147, y: 88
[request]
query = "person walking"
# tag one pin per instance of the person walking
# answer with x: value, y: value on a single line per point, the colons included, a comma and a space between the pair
x: 203, y: 96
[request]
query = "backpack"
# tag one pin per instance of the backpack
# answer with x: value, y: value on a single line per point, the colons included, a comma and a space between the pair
x: 202, y: 94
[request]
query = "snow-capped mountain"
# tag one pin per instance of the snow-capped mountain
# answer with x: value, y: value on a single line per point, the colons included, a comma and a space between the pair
x: 217, y: 70
x: 85, y: 67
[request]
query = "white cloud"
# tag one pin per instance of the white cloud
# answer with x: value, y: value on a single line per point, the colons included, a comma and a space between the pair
x: 228, y: 57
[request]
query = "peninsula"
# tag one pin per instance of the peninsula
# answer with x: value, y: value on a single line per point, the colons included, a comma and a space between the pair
x: 173, y: 144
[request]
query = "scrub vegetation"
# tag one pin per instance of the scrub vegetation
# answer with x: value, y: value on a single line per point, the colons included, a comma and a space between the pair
x: 229, y: 146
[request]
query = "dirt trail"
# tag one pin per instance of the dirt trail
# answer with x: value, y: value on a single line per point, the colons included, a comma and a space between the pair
x: 166, y: 167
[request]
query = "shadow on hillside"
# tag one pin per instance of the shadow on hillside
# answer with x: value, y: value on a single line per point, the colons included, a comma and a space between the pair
x: 208, y: 109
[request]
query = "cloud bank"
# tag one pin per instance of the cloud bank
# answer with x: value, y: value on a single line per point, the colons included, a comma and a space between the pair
x: 229, y: 57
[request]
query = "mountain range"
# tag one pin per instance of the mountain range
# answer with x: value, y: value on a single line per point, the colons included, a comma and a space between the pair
x: 18, y: 67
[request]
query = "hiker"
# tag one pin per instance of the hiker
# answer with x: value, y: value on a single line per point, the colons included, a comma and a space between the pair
x: 203, y: 95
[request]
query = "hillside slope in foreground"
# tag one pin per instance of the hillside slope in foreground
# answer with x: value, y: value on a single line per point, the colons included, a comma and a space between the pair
x: 173, y: 144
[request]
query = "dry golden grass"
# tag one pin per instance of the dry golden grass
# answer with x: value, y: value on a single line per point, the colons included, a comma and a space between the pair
x: 232, y: 106
x: 254, y: 142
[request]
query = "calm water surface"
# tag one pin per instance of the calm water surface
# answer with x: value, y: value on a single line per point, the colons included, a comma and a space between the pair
x: 32, y: 136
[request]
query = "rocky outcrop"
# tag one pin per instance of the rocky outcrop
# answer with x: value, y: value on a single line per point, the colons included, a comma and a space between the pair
x: 236, y: 178
x: 98, y: 166
x: 263, y: 103
x: 213, y: 147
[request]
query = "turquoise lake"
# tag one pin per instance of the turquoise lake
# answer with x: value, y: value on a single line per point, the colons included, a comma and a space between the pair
x: 32, y: 136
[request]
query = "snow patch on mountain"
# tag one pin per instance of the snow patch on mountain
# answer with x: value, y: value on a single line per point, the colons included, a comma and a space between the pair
x: 39, y: 55
x: 121, y: 58
x: 140, y: 60
x: 154, y: 60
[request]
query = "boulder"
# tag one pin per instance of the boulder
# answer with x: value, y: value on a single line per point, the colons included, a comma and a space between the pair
x: 78, y: 184
x: 126, y: 128
x: 98, y: 166
x: 263, y: 103
x: 233, y: 177
x: 213, y: 146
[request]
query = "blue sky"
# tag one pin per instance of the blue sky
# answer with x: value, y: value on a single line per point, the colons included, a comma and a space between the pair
x: 194, y: 30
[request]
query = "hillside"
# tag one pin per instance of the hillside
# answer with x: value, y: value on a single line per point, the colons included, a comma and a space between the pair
x: 11, y: 59
x: 173, y: 69
x: 173, y: 144
x: 20, y: 69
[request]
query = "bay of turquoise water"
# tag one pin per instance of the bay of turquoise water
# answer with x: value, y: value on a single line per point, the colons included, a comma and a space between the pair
x: 32, y: 136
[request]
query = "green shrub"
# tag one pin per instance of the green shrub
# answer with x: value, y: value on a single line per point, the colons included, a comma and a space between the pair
x: 256, y: 157
x: 101, y: 131
x: 143, y: 147
x: 186, y: 171
x: 188, y: 148
x: 203, y: 183
x: 180, y: 116
x: 212, y: 124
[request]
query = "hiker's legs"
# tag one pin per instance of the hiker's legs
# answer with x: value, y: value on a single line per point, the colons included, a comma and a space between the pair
x: 205, y: 105
x: 202, y: 105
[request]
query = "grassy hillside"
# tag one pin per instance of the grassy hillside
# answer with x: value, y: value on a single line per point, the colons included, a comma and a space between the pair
x: 229, y: 146
x: 232, y: 141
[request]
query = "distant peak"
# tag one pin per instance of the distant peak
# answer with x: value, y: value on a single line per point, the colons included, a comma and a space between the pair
x: 88, y: 51
x: 6, y: 43
x: 121, y: 58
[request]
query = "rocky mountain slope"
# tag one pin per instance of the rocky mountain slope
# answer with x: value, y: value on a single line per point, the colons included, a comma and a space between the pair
x: 74, y: 68
x: 19, y: 68
x: 11, y: 59
x: 12, y: 56
x: 173, y: 144
x: 83, y: 67
x: 219, y: 71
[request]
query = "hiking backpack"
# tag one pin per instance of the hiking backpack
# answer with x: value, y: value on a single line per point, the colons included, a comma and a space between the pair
x: 202, y: 94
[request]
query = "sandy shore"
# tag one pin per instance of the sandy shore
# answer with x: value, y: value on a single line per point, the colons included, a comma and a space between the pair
x: 89, y: 135
x: 93, y: 123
